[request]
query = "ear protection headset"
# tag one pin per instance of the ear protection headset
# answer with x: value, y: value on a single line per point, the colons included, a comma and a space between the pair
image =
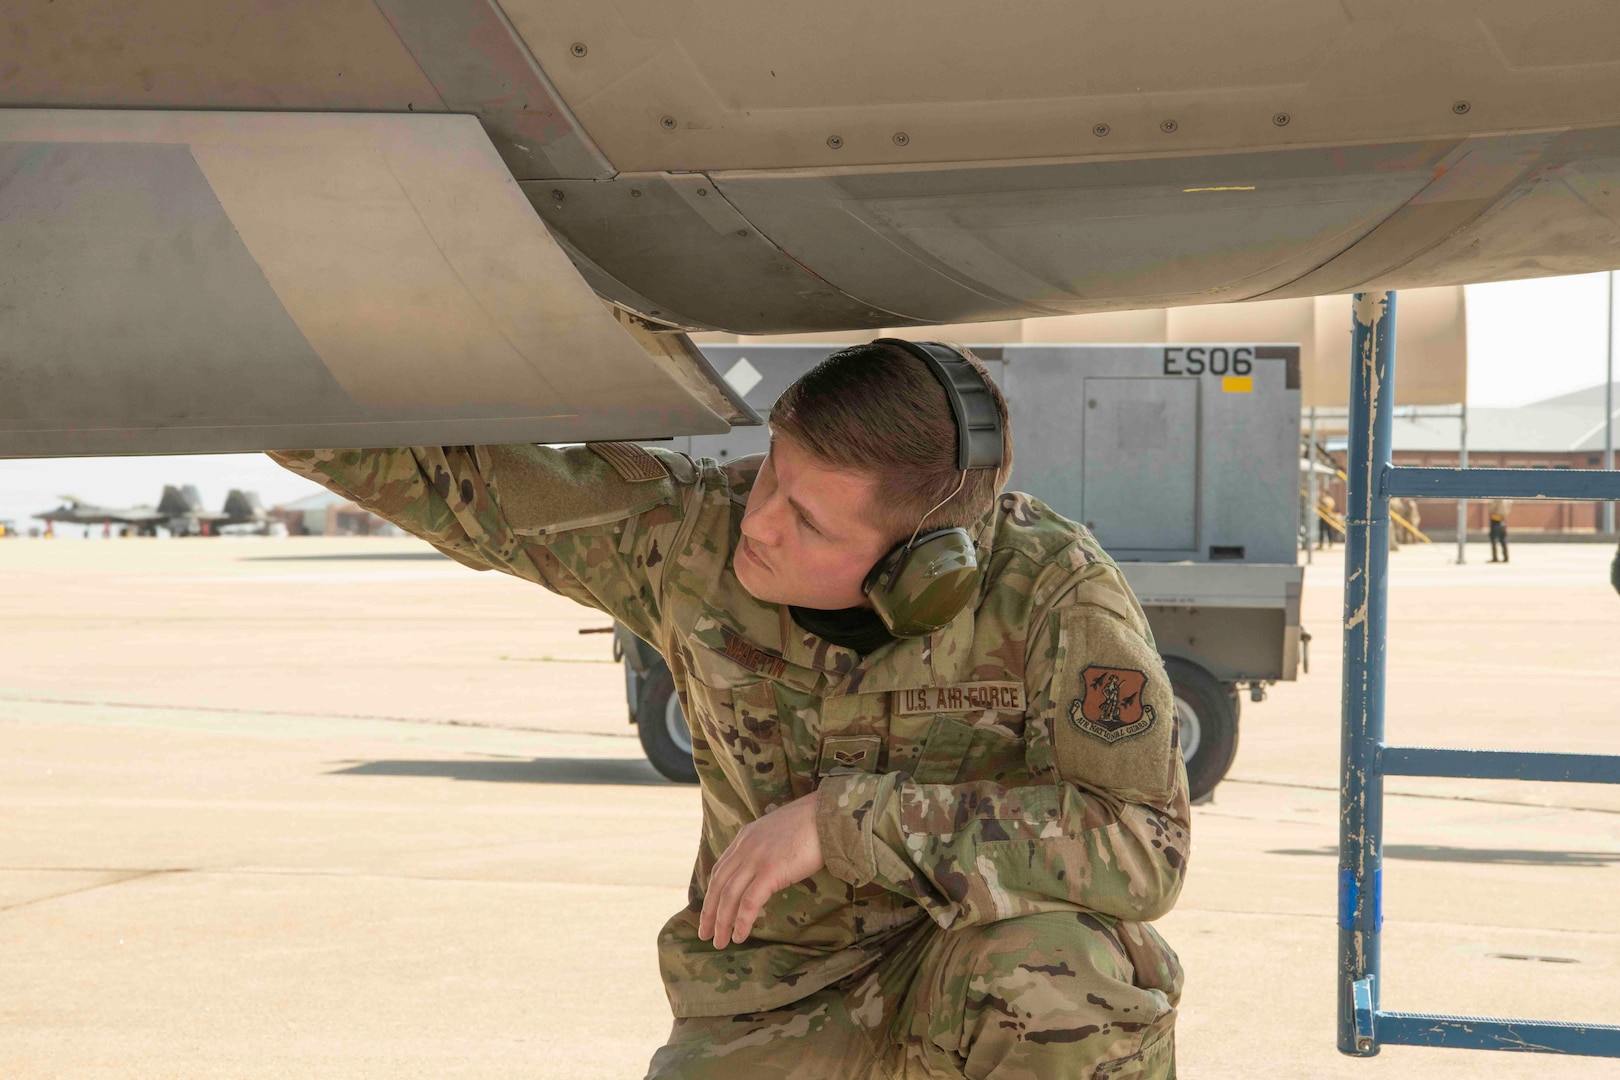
x: 924, y: 583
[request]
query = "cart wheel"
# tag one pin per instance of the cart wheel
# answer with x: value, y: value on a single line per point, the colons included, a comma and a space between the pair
x: 1207, y: 716
x: 665, y: 738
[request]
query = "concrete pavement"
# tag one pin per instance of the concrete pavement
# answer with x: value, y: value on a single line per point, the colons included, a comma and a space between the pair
x: 343, y: 808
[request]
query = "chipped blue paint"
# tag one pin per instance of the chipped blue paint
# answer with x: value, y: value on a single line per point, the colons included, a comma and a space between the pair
x: 1349, y: 897
x: 1372, y: 366
x: 1365, y: 760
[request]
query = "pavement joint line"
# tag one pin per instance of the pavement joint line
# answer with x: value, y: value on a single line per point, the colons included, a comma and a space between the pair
x: 522, y: 811
x: 1422, y: 795
x: 1423, y: 923
x: 295, y: 871
x: 228, y: 710
x: 139, y: 875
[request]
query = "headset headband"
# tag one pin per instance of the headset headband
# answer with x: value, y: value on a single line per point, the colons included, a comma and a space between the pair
x: 979, y: 443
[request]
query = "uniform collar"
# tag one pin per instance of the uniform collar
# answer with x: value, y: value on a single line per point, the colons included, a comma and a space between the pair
x: 939, y: 659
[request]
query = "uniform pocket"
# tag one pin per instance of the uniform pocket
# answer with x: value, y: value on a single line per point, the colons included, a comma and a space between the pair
x: 943, y: 752
x: 738, y: 725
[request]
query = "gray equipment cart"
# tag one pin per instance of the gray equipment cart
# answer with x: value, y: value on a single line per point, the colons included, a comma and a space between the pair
x: 1183, y: 459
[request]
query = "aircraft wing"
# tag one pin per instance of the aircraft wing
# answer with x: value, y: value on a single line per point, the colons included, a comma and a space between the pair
x: 266, y: 223
x: 80, y: 513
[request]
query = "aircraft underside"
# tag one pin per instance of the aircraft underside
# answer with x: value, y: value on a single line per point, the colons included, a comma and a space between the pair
x: 265, y: 224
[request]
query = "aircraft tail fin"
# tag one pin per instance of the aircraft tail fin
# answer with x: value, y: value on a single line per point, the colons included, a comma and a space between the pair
x: 180, y: 501
x: 243, y: 505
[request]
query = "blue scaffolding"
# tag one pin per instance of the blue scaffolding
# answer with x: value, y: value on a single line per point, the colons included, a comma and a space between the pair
x: 1365, y: 760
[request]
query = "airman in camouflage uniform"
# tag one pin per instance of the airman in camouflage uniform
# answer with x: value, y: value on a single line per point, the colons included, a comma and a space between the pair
x: 1001, y: 805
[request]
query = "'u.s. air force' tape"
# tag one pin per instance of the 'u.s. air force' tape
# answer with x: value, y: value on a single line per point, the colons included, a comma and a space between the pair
x: 962, y: 697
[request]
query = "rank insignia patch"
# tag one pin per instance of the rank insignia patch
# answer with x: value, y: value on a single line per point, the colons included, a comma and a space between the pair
x: 1112, y: 707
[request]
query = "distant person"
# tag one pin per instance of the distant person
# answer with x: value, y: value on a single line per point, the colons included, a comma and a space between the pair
x: 1404, y: 519
x: 942, y: 799
x: 1324, y: 524
x: 1499, y: 516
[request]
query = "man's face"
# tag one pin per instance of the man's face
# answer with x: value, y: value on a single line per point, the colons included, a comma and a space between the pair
x: 807, y: 537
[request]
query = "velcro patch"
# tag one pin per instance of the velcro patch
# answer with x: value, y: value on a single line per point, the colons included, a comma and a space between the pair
x: 962, y: 697
x: 1114, y: 715
x: 1111, y: 706
x: 849, y: 754
x: 630, y: 461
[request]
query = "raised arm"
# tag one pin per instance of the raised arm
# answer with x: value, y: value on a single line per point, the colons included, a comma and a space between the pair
x: 594, y: 523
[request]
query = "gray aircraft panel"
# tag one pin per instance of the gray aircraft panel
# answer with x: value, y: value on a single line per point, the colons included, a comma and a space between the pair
x: 200, y: 282
x: 838, y: 166
x: 157, y: 279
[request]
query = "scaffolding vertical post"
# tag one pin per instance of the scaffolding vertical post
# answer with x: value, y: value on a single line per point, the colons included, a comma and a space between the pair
x: 1313, y: 524
x: 1462, y: 504
x: 1608, y: 410
x: 1366, y: 562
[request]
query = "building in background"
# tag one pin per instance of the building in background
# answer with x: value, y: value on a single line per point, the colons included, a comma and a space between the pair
x: 1564, y: 432
x: 327, y: 514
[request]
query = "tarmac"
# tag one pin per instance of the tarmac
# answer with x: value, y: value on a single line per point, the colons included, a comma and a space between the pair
x: 342, y: 808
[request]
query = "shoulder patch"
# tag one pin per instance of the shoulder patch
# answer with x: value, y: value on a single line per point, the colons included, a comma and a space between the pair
x: 1110, y: 704
x: 1114, y: 712
x: 630, y: 461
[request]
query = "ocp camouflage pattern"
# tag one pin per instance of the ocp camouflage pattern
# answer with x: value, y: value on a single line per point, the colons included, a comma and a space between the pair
x: 956, y: 820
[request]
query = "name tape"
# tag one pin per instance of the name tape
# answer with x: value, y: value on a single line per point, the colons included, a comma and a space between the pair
x: 963, y: 697
x: 751, y: 656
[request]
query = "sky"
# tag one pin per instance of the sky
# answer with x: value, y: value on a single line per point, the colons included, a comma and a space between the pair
x: 1551, y: 327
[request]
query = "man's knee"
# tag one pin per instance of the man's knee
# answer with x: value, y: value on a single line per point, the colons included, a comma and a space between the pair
x: 1054, y: 995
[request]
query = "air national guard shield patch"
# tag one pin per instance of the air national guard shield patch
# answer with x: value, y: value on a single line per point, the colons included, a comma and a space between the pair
x: 1112, y: 707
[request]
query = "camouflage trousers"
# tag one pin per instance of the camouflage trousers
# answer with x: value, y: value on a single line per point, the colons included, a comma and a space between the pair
x: 1040, y: 997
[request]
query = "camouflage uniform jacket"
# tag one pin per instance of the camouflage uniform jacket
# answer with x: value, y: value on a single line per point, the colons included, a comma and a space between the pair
x: 1021, y: 760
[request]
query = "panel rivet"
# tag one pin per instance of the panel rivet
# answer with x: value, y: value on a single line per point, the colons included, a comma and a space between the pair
x: 635, y: 193
x: 1281, y: 119
x: 703, y: 191
x: 557, y: 193
x: 1101, y: 130
x: 668, y: 123
x: 901, y: 138
x: 835, y: 141
x: 742, y: 232
x: 578, y: 48
x: 1168, y: 126
x: 1460, y: 107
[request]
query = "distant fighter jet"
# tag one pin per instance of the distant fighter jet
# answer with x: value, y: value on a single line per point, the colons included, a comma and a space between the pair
x: 75, y: 511
x: 180, y: 510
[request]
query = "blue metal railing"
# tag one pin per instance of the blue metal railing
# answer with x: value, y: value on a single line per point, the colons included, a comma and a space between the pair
x: 1365, y: 760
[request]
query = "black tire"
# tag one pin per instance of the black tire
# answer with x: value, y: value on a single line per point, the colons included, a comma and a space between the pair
x: 1207, y: 712
x: 662, y: 727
